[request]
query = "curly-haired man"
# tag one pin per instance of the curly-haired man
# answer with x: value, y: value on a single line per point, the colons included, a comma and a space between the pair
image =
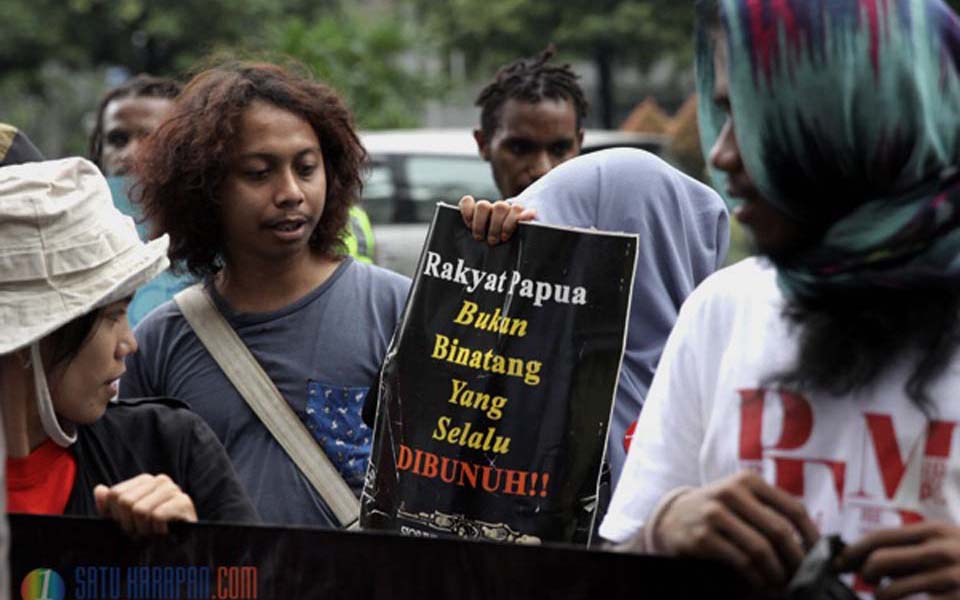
x: 252, y: 176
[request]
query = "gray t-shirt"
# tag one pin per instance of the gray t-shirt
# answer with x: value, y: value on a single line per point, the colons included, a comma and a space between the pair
x: 323, y: 352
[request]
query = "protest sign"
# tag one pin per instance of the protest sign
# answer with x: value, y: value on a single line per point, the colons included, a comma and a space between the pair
x: 498, y: 387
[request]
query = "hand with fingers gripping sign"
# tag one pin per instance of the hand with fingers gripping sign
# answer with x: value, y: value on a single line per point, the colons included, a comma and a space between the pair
x: 494, y: 222
x: 913, y: 559
x: 145, y: 504
x: 758, y: 529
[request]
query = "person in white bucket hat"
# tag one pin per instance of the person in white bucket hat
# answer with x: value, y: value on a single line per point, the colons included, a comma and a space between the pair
x: 69, y: 263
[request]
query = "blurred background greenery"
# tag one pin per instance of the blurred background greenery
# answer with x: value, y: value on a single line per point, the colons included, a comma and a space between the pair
x: 400, y: 63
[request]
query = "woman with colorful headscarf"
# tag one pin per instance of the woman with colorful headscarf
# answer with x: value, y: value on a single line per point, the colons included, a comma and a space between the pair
x: 813, y: 391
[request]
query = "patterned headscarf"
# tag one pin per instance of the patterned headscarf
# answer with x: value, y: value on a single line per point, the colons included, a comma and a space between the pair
x: 847, y: 113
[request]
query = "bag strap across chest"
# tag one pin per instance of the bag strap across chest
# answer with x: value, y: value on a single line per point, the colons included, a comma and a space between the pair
x: 263, y: 397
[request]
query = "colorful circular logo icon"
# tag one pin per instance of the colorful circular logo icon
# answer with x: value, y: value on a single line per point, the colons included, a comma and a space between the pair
x: 42, y: 584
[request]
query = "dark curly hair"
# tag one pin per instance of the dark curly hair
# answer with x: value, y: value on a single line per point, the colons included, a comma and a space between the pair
x: 530, y: 80
x: 140, y: 86
x: 184, y: 162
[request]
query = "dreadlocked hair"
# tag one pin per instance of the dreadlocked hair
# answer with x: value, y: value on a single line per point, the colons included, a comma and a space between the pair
x: 530, y: 80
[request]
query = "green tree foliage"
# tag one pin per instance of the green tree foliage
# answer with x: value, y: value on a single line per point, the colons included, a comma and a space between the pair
x: 155, y: 36
x: 54, y: 55
x: 608, y: 32
x: 53, y: 105
x: 359, y: 56
x: 500, y: 30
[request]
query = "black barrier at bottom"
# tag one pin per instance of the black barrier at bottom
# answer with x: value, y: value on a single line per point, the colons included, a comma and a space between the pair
x: 68, y: 557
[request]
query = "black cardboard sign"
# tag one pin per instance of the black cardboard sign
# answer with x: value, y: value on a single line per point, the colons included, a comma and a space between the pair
x: 92, y: 559
x: 497, y: 389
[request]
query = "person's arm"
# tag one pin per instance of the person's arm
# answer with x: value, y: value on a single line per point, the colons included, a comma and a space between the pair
x: 494, y: 222
x: 921, y: 558
x: 193, y: 477
x: 665, y: 447
x: 211, y: 479
x: 661, y: 505
x: 743, y: 521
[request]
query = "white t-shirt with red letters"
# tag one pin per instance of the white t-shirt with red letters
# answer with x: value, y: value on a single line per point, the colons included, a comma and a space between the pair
x: 869, y: 460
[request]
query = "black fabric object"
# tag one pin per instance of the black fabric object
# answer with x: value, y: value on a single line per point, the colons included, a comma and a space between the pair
x: 158, y: 435
x: 369, y: 412
x: 16, y: 148
x: 311, y: 563
x: 816, y: 579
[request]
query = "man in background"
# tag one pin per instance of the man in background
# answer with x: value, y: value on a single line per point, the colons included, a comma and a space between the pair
x: 127, y: 114
x: 531, y: 120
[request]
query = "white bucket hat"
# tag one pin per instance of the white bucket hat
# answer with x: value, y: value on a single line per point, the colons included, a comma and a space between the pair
x: 65, y: 250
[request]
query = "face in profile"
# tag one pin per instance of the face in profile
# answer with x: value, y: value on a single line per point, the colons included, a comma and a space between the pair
x: 532, y: 139
x: 126, y: 122
x: 274, y: 193
x: 774, y: 234
x: 82, y: 386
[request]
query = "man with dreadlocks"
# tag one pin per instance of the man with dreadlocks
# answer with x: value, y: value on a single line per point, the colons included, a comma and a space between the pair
x: 531, y: 120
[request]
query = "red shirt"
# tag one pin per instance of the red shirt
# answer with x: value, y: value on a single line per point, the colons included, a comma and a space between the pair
x: 40, y: 483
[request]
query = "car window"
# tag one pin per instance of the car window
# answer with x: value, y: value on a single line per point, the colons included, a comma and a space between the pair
x: 379, y: 192
x: 433, y: 179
